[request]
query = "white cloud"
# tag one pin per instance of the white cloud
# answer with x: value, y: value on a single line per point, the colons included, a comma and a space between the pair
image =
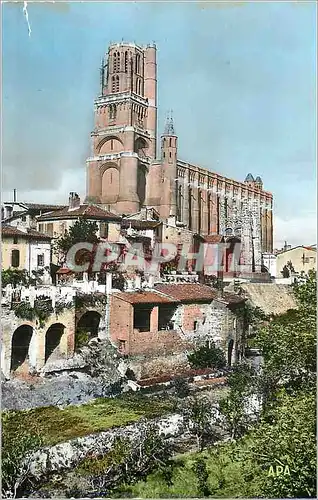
x: 301, y: 230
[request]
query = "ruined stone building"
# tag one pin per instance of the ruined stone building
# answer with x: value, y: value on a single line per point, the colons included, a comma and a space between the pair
x: 125, y: 174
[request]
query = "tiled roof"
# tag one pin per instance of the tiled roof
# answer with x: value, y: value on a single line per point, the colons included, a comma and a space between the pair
x: 144, y: 297
x: 85, y: 211
x: 43, y: 206
x: 139, y: 224
x: 35, y: 206
x: 213, y: 238
x: 7, y: 230
x: 187, y: 291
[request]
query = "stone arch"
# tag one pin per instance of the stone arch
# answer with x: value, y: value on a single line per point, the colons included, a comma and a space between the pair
x: 141, y: 147
x: 20, y: 343
x: 230, y: 352
x: 87, y: 327
x: 106, y: 146
x: 53, y: 339
x: 110, y: 182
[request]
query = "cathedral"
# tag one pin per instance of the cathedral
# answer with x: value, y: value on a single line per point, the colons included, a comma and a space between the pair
x: 124, y: 173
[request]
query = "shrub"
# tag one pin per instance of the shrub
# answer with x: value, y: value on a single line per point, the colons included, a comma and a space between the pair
x: 207, y: 357
x: 17, y: 448
x: 181, y: 387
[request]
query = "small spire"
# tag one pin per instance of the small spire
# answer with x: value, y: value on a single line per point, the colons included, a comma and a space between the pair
x: 169, y: 128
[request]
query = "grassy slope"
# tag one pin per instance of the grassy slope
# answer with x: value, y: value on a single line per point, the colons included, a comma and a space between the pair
x: 226, y: 478
x: 55, y: 425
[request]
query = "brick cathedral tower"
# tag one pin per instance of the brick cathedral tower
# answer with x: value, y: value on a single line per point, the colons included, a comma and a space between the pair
x: 124, y: 137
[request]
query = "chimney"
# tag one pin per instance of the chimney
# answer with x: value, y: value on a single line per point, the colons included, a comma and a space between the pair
x: 137, y: 281
x: 74, y: 201
x: 109, y: 282
x: 143, y: 213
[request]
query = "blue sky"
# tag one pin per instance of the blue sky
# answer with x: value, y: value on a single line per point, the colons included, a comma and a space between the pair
x: 240, y: 79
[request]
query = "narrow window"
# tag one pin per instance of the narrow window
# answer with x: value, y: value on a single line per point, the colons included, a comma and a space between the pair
x: 15, y: 240
x: 170, y: 143
x: 41, y: 260
x: 138, y: 63
x: 15, y: 258
x: 111, y: 147
x: 117, y: 84
x: 225, y: 208
x: 122, y: 346
x: 126, y: 62
x: 115, y: 62
x: 113, y: 84
x: 111, y: 175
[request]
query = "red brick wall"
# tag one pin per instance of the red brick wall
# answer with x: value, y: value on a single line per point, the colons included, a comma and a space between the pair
x: 191, y: 313
x: 120, y: 321
x: 160, y: 343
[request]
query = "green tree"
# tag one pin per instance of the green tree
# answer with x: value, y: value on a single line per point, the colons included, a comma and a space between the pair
x: 81, y: 231
x: 126, y: 463
x: 236, y: 406
x: 201, y: 472
x: 207, y: 357
x: 201, y: 419
x: 286, y: 439
x: 14, y: 277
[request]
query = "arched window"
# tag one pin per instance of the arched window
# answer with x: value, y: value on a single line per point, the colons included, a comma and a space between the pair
x: 199, y: 211
x: 113, y: 84
x: 112, y: 112
x: 139, y: 86
x: 138, y: 63
x: 170, y: 143
x: 15, y: 258
x: 190, y: 208
x: 115, y: 62
x: 117, y: 84
x: 126, y: 62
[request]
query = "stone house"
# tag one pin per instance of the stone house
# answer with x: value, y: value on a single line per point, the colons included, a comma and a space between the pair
x: 25, y: 249
x: 173, y: 318
x: 303, y: 259
x: 56, y: 223
x: 23, y: 215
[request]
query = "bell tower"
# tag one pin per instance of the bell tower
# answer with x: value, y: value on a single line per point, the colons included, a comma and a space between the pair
x: 169, y: 154
x: 124, y: 135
